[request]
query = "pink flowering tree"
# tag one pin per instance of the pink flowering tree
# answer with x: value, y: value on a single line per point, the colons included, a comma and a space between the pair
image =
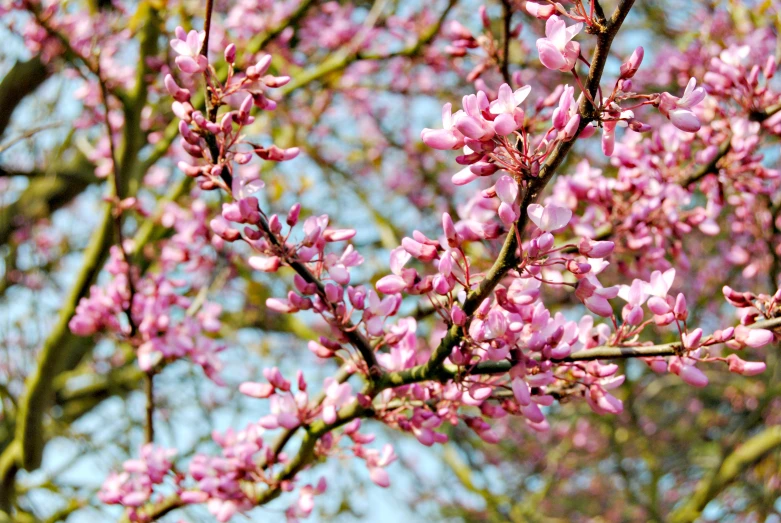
x: 235, y: 259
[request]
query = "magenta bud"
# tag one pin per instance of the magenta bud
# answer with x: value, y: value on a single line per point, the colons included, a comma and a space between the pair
x: 630, y: 67
x: 179, y: 94
x: 545, y: 242
x: 226, y: 123
x: 450, y: 230
x: 260, y: 68
x: 638, y: 126
x: 693, y: 376
x: 252, y: 234
x: 245, y: 107
x: 632, y: 315
x: 274, y: 224
x: 577, y: 267
x: 458, y: 315
x: 692, y: 339
x: 333, y: 293
x: 658, y: 305
x: 193, y: 150
x: 264, y: 263
x: 183, y: 111
x: 293, y: 213
x: 571, y: 128
x: 746, y: 368
x: 680, y: 307
x: 230, y: 54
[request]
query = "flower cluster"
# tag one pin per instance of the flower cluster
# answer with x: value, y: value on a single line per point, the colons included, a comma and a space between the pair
x: 499, y: 347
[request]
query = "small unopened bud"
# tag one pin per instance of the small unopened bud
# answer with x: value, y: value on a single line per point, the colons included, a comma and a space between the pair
x: 264, y: 263
x: 450, y: 231
x: 680, y: 307
x: 638, y: 126
x: 578, y: 267
x: 230, y: 54
x: 630, y: 67
x: 293, y: 213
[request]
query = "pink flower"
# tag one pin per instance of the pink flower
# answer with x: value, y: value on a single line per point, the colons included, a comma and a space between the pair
x: 509, y: 116
x: 188, y: 46
x: 557, y: 51
x: 549, y: 218
x: 752, y: 337
x: 746, y: 368
x: 679, y: 110
x: 336, y: 395
x: 401, y: 277
x: 447, y: 137
x: 608, y: 137
x: 595, y: 297
x: 630, y: 67
x: 688, y: 372
x: 540, y: 11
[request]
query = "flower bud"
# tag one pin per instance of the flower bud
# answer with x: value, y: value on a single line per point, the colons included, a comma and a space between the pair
x: 630, y: 67
x: 230, y: 54
x: 680, y: 307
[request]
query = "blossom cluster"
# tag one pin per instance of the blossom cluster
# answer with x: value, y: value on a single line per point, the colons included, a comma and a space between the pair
x: 507, y: 351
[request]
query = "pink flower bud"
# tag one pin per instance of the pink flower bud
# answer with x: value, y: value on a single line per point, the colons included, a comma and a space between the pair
x: 754, y: 338
x: 680, y: 307
x: 568, y: 133
x: 222, y: 229
x: 632, y: 315
x: 692, y: 339
x: 463, y: 177
x: 578, y: 267
x: 746, y: 368
x: 692, y: 375
x: 179, y: 94
x: 391, y: 284
x: 338, y: 235
x: 278, y: 305
x: 543, y: 12
x: 483, y: 168
x: 260, y: 68
x: 595, y: 249
x: 379, y: 476
x: 275, y: 81
x: 658, y: 306
x: 545, y: 242
x: 230, y: 54
x: 638, y: 126
x: 293, y: 213
x: 256, y: 390
x: 183, y: 111
x: 264, y: 263
x: 319, y: 350
x: 521, y: 392
x: 685, y: 120
x: 458, y: 315
x: 423, y: 252
x: 630, y: 67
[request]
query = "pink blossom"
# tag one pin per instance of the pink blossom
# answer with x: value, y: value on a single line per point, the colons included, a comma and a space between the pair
x: 550, y: 218
x: 557, y: 51
x: 541, y: 11
x: 679, y: 110
x: 447, y: 137
x: 746, y: 368
x: 753, y: 337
